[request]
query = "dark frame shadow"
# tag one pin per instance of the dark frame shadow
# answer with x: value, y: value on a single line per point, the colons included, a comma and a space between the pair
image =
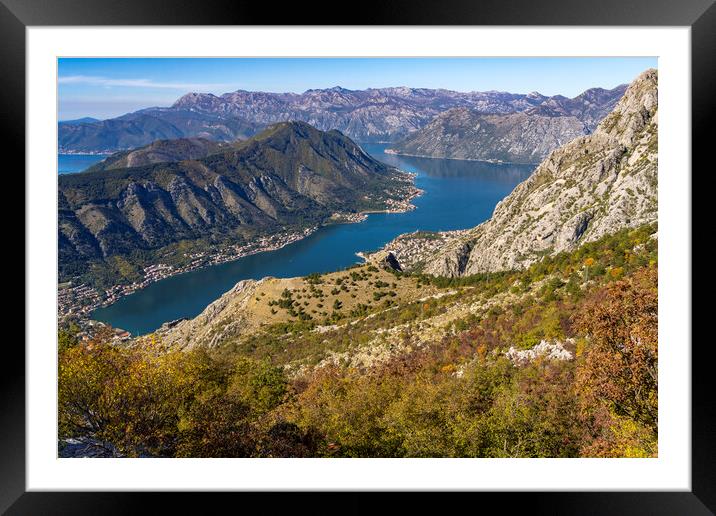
x: 700, y: 15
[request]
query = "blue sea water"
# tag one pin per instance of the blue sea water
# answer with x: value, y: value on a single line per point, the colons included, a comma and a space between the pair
x: 458, y: 195
x: 71, y: 163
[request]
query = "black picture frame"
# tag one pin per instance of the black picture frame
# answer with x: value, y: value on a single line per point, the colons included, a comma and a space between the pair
x: 700, y: 15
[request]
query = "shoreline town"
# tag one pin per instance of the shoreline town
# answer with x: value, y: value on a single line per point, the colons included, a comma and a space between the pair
x: 76, y: 303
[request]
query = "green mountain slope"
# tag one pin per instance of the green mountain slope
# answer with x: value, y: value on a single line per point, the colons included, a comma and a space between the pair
x: 145, y: 126
x: 557, y: 360
x: 161, y: 151
x: 291, y: 175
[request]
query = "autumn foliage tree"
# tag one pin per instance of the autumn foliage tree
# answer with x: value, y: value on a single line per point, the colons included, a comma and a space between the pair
x: 619, y: 372
x: 149, y: 401
x: 457, y: 394
x: 127, y: 398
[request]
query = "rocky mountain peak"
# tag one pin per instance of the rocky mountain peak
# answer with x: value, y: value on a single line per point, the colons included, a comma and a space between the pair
x: 634, y: 111
x: 535, y: 95
x: 194, y: 98
x: 594, y: 185
x: 374, y: 114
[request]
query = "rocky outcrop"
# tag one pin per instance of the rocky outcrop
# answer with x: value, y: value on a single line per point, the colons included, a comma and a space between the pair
x: 590, y: 187
x: 413, y: 250
x: 219, y: 321
x: 390, y: 262
x: 548, y: 350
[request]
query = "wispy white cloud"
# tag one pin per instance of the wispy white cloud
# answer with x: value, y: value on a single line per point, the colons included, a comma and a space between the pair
x: 141, y: 83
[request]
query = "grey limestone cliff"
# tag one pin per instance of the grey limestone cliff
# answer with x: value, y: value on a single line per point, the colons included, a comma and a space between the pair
x: 461, y: 133
x: 590, y: 187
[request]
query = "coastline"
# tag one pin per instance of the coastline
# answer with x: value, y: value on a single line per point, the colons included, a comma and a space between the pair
x: 80, y: 312
x: 159, y: 271
x: 394, y: 152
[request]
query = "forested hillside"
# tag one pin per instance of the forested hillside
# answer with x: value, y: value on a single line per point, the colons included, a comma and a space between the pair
x: 558, y: 360
x: 120, y: 216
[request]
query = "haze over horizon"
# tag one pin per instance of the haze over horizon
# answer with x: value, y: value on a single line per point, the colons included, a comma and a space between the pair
x: 109, y: 87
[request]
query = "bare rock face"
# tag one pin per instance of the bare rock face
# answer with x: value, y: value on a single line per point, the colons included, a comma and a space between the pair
x: 375, y: 114
x: 391, y: 262
x: 461, y: 133
x: 219, y: 320
x: 545, y: 349
x: 588, y: 188
x: 453, y: 262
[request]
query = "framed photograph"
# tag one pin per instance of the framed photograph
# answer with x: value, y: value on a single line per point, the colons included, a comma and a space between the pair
x: 429, y: 248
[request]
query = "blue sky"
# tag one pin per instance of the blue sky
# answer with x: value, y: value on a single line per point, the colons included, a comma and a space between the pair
x: 108, y: 87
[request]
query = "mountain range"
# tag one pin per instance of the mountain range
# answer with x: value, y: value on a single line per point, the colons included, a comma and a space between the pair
x: 589, y: 189
x: 534, y: 334
x: 593, y: 186
x: 461, y: 133
x: 161, y: 151
x: 146, y: 126
x: 375, y: 114
x: 519, y: 137
x: 77, y: 121
x: 289, y: 175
